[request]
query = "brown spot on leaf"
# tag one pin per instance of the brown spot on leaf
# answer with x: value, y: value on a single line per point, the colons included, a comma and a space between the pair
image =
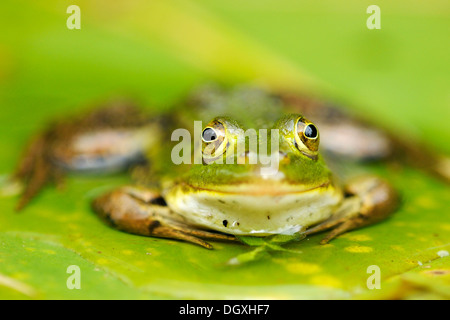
x: 437, y: 272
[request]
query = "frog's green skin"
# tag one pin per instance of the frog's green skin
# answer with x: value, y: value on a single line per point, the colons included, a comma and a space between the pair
x: 184, y: 201
x: 241, y: 199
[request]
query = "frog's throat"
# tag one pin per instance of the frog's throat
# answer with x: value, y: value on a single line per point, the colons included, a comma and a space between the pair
x: 258, y: 214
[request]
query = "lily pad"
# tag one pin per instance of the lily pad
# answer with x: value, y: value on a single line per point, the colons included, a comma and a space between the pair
x: 146, y: 51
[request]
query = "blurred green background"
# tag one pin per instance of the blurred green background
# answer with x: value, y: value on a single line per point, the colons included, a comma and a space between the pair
x: 397, y: 76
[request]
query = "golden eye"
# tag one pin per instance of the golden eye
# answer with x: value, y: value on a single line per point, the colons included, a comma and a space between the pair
x: 307, y: 137
x: 214, y: 141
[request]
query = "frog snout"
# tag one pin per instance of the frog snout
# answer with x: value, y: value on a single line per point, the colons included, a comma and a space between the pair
x: 250, y: 157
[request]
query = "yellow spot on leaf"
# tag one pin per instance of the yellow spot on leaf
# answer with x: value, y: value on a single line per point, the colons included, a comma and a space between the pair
x: 20, y: 276
x: 127, y: 252
x: 102, y: 261
x: 426, y: 202
x: 302, y: 267
x: 326, y: 280
x: 30, y: 249
x: 358, y: 249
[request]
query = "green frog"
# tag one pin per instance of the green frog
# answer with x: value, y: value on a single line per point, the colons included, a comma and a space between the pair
x: 228, y: 191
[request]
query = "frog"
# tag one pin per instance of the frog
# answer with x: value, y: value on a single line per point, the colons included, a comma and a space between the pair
x: 227, y: 194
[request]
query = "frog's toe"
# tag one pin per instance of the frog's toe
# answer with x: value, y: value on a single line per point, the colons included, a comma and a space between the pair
x: 143, y: 212
x: 208, y: 235
x: 340, y: 229
x: 370, y: 200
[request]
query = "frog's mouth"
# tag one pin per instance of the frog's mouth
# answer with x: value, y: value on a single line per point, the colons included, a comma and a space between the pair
x: 255, y: 209
x: 259, y: 189
x: 254, y: 182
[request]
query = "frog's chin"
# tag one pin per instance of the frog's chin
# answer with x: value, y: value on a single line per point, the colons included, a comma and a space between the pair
x: 257, y: 211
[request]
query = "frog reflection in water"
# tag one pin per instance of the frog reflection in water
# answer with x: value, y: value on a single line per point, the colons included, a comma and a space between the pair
x: 210, y: 200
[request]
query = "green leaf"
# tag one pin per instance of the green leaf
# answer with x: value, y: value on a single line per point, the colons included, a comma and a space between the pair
x: 286, y: 238
x: 264, y: 246
x: 258, y: 253
x: 47, y: 71
x: 252, y: 241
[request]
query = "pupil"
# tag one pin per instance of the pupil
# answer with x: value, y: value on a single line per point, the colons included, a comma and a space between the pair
x: 311, y: 131
x: 209, y: 135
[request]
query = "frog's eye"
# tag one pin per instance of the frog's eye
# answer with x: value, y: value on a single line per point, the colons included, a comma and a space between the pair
x: 214, y: 141
x: 311, y: 131
x: 307, y: 137
x: 209, y: 135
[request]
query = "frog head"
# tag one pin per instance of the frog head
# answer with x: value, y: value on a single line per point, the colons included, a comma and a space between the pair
x: 259, y: 182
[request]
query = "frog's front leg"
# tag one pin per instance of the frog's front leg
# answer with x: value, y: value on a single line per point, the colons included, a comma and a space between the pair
x: 369, y: 200
x: 144, y: 212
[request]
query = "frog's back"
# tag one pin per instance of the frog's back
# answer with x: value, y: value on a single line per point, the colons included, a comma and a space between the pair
x: 251, y: 107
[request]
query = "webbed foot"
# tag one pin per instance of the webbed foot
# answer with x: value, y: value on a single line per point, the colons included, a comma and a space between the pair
x: 144, y: 212
x: 369, y: 200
